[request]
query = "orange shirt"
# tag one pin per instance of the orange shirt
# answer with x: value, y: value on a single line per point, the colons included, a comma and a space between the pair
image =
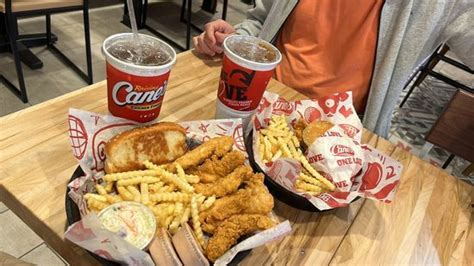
x: 329, y: 46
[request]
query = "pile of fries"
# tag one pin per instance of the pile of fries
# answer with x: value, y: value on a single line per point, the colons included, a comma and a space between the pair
x: 169, y: 195
x: 278, y: 140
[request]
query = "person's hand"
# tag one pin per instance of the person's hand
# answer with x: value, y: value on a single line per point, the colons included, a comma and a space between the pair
x: 210, y: 41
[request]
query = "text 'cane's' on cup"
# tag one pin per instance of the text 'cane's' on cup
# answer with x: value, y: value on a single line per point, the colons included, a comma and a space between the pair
x: 137, y: 75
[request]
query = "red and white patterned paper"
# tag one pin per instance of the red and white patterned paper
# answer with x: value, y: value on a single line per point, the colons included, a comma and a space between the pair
x: 357, y: 170
x: 88, y: 134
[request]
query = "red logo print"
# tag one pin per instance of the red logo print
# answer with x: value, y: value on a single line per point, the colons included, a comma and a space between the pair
x: 203, y: 127
x: 311, y: 114
x: 282, y: 106
x: 350, y: 131
x: 239, y: 138
x: 385, y: 191
x: 275, y: 171
x: 241, y: 88
x: 78, y: 136
x: 133, y: 97
x: 342, y: 150
x: 345, y: 112
x: 372, y: 176
x: 264, y: 103
x: 329, y: 104
x: 331, y: 201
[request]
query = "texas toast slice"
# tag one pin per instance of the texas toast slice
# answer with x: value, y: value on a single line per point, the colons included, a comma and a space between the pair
x: 159, y: 143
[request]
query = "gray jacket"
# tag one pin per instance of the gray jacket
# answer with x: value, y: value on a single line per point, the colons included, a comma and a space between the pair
x: 409, y: 31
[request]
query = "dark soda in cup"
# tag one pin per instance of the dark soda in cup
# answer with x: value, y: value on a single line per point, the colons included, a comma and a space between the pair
x: 137, y: 75
x: 247, y: 68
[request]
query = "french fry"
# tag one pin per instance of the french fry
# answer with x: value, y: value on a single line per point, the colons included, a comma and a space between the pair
x: 317, y: 175
x: 100, y: 189
x: 178, y: 212
x: 268, y: 148
x: 185, y: 217
x: 276, y: 156
x: 207, y: 203
x: 311, y: 180
x: 137, y: 180
x: 196, y: 223
x: 93, y: 203
x: 109, y: 187
x: 171, y: 178
x: 300, y: 185
x: 277, y: 140
x: 96, y: 197
x: 144, y: 193
x: 169, y: 188
x: 113, y: 198
x: 125, y: 194
x: 163, y: 209
x: 190, y: 179
x: 293, y: 151
x: 285, y: 150
x: 152, y: 166
x: 128, y: 175
x: 137, y: 197
x: 295, y: 141
x: 155, y: 187
x: 261, y: 146
x: 171, y: 196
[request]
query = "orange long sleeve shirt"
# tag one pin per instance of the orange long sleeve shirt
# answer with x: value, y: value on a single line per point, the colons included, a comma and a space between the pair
x: 329, y: 46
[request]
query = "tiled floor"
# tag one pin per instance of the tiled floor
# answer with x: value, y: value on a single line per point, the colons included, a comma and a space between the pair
x: 409, y: 123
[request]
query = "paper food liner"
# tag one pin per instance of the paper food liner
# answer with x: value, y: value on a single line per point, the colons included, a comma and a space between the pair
x: 88, y: 134
x: 357, y: 170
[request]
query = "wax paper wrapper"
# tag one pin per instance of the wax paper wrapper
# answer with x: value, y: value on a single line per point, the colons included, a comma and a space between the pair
x: 88, y: 134
x: 356, y: 169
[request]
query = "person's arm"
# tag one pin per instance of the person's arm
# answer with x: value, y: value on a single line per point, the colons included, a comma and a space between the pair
x: 255, y: 18
x: 459, y: 33
x: 210, y: 41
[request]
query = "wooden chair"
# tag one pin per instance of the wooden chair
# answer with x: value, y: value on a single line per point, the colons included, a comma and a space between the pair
x: 15, y: 9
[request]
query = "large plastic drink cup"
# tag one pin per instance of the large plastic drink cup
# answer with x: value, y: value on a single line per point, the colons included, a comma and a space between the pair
x: 137, y: 76
x: 247, y: 68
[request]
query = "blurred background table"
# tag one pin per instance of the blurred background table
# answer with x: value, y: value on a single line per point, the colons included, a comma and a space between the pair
x: 429, y: 222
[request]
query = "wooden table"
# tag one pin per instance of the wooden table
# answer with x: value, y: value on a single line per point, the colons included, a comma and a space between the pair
x: 430, y: 221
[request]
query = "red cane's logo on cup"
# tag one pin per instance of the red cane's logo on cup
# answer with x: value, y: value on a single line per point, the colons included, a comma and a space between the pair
x: 342, y: 150
x: 140, y: 98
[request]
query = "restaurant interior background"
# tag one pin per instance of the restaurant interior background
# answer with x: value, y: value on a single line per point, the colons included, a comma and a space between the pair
x: 409, y: 123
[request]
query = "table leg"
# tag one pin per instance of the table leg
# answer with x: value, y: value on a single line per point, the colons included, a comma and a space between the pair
x: 188, y: 25
x: 209, y: 6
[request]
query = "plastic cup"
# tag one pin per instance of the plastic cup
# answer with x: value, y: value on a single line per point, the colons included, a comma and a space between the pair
x: 247, y: 68
x: 136, y: 92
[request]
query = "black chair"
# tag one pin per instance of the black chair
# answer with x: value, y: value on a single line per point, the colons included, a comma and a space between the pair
x: 13, y: 10
x: 427, y: 69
